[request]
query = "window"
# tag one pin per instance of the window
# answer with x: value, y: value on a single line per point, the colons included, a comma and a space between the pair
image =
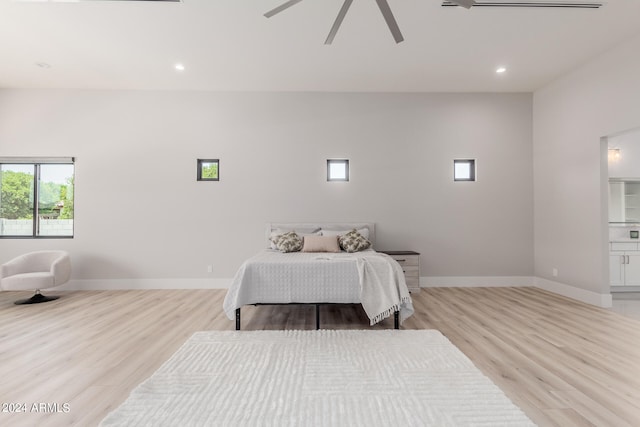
x: 337, y: 170
x: 464, y: 170
x: 208, y: 170
x: 36, y: 197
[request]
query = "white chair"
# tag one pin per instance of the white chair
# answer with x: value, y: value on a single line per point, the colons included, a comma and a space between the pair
x: 36, y: 270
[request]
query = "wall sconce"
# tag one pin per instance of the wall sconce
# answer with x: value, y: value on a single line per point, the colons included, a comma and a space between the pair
x: 613, y: 154
x: 337, y: 170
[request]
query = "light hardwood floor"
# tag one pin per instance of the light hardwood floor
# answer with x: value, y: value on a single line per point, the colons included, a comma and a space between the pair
x: 564, y: 363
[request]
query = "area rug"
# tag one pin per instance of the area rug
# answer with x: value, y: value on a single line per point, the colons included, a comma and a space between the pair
x: 318, y: 378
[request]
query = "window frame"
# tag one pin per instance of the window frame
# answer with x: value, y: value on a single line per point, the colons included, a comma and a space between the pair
x: 37, y: 163
x: 202, y: 163
x: 344, y: 162
x: 472, y: 170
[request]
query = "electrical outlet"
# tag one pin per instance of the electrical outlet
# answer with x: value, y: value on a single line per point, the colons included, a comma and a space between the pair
x: 555, y: 272
x: 209, y: 268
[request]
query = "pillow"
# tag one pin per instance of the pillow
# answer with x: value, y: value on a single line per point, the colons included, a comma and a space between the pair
x: 274, y: 236
x: 288, y: 242
x: 353, y: 241
x: 320, y: 244
x: 363, y: 231
x: 279, y: 232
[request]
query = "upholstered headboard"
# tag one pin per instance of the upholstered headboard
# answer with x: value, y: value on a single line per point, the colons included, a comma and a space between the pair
x: 312, y: 226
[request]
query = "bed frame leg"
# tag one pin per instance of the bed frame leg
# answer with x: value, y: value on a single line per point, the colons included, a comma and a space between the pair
x: 396, y: 320
x: 317, y: 316
x: 237, y: 319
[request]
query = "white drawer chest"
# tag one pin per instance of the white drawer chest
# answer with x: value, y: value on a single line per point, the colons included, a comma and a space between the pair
x: 410, y: 263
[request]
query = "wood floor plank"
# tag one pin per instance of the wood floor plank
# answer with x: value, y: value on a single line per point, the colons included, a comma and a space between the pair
x: 563, y: 362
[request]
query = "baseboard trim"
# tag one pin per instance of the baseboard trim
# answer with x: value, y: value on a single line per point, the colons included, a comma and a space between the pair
x: 128, y: 284
x: 475, y: 281
x: 589, y: 297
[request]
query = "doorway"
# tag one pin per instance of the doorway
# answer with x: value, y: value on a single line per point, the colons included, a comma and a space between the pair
x: 623, y: 213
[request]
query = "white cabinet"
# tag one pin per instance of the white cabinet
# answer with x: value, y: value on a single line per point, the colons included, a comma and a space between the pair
x: 624, y: 201
x: 624, y: 264
x: 632, y: 269
x: 616, y: 268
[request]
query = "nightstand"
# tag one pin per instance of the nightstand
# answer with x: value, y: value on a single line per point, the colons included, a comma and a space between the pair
x: 410, y: 263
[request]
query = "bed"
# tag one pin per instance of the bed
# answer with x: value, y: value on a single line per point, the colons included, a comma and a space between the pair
x: 365, y: 277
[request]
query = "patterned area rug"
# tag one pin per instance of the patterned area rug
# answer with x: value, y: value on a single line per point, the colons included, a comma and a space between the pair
x: 318, y: 378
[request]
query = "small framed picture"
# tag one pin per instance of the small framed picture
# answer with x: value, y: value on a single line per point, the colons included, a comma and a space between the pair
x: 208, y: 170
x: 634, y: 234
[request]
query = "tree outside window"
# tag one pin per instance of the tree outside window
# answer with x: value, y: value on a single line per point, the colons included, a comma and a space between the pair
x: 36, y: 199
x: 208, y: 170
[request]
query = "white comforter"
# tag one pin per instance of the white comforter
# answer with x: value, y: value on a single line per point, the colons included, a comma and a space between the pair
x: 371, y: 278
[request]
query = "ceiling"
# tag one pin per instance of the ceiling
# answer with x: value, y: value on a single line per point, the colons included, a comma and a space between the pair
x: 228, y: 45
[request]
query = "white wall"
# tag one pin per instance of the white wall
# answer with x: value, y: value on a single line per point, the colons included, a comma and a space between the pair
x: 571, y: 115
x: 140, y: 214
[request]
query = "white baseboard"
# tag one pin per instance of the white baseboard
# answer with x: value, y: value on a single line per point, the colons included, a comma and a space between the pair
x: 589, y: 297
x: 475, y: 282
x: 122, y: 284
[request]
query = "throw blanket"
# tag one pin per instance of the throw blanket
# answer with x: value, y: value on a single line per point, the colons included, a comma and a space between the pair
x: 271, y: 277
x: 383, y: 288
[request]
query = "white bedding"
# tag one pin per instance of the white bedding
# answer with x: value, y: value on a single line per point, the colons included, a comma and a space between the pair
x: 272, y: 277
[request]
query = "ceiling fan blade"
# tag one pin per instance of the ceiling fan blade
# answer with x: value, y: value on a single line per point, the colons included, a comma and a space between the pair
x: 336, y: 25
x: 282, y: 7
x: 464, y: 3
x: 391, y: 21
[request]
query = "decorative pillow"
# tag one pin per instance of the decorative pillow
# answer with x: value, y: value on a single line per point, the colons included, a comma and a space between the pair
x: 288, y: 242
x: 320, y: 244
x: 279, y: 232
x: 353, y: 241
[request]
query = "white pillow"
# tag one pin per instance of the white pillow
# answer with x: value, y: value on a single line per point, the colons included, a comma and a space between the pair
x: 363, y: 231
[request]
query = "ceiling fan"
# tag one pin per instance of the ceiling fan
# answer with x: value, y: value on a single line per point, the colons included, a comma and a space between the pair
x: 383, y: 5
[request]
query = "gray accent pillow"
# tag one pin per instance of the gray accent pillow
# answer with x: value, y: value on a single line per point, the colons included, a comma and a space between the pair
x: 288, y: 242
x: 353, y: 241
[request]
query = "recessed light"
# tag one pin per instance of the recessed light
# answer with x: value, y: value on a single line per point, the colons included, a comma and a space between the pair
x: 179, y: 67
x: 501, y: 70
